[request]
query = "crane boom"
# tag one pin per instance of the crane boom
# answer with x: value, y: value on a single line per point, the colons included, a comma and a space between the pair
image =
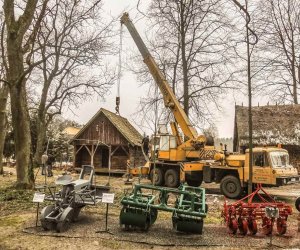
x: 170, y: 100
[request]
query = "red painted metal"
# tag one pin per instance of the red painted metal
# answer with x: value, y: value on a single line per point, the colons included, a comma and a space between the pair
x: 245, y: 213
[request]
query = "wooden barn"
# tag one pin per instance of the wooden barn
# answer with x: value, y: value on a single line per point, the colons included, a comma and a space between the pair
x: 108, y: 134
x: 272, y: 125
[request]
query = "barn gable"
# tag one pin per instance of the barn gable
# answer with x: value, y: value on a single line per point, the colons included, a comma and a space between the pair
x: 109, y: 128
x: 108, y: 136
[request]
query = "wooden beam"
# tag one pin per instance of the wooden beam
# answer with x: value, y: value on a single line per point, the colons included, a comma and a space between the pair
x: 112, y: 153
x: 88, y: 149
x: 79, y: 149
x: 125, y: 150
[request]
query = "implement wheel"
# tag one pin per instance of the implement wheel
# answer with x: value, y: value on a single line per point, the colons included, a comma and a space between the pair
x: 172, y: 178
x: 157, y: 177
x: 281, y: 226
x: 65, y: 220
x: 231, y: 187
x: 47, y: 225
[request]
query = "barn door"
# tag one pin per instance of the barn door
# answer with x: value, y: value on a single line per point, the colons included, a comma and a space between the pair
x: 105, y: 157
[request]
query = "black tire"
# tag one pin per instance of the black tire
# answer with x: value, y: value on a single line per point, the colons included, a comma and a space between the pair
x: 297, y: 204
x: 195, y: 179
x: 158, y: 177
x: 231, y: 187
x: 172, y: 178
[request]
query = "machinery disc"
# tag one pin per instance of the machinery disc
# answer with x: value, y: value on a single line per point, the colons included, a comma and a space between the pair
x: 233, y: 226
x: 281, y: 226
x: 243, y: 226
x: 297, y: 204
x: 252, y: 226
x: 267, y: 226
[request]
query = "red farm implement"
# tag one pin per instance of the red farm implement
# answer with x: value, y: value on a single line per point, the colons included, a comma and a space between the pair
x: 244, y: 214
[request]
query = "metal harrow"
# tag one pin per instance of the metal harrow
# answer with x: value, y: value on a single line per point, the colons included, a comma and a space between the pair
x: 140, y: 208
x: 243, y: 216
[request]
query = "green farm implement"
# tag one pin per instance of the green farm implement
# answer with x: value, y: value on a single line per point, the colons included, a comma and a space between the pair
x: 187, y: 205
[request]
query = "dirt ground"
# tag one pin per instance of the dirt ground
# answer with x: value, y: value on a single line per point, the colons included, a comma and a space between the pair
x: 18, y: 231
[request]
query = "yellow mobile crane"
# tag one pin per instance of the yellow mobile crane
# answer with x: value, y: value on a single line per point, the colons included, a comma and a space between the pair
x: 193, y: 161
x: 173, y: 153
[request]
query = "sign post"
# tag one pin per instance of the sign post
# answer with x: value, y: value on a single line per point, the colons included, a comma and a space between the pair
x: 107, y: 198
x: 38, y: 198
x: 272, y: 213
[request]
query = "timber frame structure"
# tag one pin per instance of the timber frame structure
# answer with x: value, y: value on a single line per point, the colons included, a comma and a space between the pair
x: 108, y: 139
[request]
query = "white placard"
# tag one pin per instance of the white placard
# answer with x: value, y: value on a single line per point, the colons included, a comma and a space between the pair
x: 108, y: 198
x: 38, y: 197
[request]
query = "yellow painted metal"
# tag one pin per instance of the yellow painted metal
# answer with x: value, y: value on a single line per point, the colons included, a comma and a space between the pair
x: 236, y: 160
x: 175, y: 132
x: 193, y: 166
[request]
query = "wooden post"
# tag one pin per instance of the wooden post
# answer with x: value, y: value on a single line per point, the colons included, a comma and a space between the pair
x: 92, y: 155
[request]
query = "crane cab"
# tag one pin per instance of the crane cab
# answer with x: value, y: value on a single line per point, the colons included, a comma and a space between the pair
x: 165, y: 148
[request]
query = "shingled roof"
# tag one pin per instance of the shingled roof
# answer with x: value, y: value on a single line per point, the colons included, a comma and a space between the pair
x: 271, y: 125
x: 120, y: 123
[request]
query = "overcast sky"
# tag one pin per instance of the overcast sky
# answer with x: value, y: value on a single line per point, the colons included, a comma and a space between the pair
x: 130, y: 91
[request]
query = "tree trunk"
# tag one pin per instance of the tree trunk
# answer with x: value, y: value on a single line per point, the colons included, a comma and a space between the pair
x: 3, y: 123
x: 41, y: 134
x: 21, y: 126
x: 19, y: 111
x: 16, y: 30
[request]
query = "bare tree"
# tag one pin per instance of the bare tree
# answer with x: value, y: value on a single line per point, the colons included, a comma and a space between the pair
x: 278, y: 56
x: 18, y: 45
x: 3, y: 95
x: 3, y: 123
x: 72, y: 42
x: 190, y: 40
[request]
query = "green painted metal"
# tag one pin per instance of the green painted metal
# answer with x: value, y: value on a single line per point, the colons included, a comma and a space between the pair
x: 140, y: 208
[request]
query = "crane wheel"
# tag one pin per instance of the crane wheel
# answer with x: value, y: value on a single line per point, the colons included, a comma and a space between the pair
x: 172, y: 178
x: 231, y: 187
x: 195, y: 179
x: 157, y: 176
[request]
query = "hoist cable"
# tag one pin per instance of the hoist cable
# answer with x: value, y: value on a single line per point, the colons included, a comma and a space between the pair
x: 119, y: 72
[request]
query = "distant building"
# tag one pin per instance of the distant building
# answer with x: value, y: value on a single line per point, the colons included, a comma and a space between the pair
x: 70, y: 132
x: 103, y: 131
x: 272, y: 125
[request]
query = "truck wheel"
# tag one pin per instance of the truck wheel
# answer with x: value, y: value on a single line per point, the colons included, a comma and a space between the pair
x: 297, y: 204
x: 156, y: 177
x: 172, y: 178
x: 231, y: 187
x: 194, y: 180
